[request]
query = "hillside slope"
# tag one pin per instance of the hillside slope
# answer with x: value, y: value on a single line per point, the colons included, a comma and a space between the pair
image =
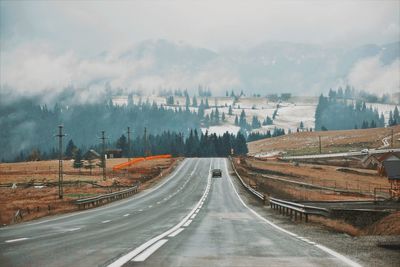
x: 332, y: 141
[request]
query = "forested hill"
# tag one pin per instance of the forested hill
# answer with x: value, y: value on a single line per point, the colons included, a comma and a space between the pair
x: 339, y: 111
x: 26, y: 125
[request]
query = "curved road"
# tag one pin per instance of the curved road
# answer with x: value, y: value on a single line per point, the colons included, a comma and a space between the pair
x: 190, y: 219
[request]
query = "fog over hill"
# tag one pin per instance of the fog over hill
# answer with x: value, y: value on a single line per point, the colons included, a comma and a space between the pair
x: 302, y: 69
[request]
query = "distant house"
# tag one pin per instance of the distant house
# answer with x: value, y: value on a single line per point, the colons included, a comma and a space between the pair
x: 113, y: 153
x: 389, y: 157
x: 392, y: 169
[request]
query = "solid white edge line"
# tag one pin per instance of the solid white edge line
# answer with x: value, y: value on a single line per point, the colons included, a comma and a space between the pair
x: 127, y: 257
x: 147, y: 253
x: 16, y: 240
x: 118, y: 203
x: 177, y: 232
x: 323, y: 248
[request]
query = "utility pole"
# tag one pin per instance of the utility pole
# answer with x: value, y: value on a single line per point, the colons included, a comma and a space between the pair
x: 60, y: 135
x: 320, y: 148
x: 103, y: 156
x: 129, y: 143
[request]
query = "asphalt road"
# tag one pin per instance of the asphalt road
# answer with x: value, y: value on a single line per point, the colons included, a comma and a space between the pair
x: 190, y: 219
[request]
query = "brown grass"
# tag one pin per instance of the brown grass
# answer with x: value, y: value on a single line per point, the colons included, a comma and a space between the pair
x: 332, y: 141
x: 336, y: 225
x: 39, y: 202
x: 329, y: 176
x: 389, y: 225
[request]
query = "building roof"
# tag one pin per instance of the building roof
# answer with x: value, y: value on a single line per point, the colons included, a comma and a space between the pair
x: 388, y: 155
x: 392, y: 169
x: 91, y: 154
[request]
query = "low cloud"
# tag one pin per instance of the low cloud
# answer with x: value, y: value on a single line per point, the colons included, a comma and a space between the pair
x: 372, y: 75
x: 38, y: 71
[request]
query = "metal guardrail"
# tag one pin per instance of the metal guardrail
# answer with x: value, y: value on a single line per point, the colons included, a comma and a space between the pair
x: 259, y: 195
x: 101, y: 199
x: 285, y: 207
x: 293, y: 209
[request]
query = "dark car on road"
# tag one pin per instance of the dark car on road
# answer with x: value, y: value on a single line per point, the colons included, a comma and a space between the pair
x: 216, y: 173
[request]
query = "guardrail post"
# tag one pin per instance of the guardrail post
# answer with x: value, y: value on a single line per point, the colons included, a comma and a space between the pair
x: 301, y: 216
x: 295, y: 215
x: 306, y: 215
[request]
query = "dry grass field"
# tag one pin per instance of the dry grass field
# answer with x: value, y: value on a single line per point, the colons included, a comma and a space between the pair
x: 332, y: 141
x: 358, y: 184
x: 362, y: 181
x: 37, y: 201
x: 323, y: 175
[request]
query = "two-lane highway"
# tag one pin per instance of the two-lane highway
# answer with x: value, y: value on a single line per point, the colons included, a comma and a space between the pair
x: 190, y: 219
x: 226, y: 232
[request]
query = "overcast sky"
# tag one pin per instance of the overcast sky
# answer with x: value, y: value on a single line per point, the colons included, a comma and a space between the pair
x: 93, y: 26
x: 46, y: 46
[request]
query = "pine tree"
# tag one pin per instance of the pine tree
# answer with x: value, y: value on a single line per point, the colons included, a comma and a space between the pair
x: 122, y: 143
x: 396, y: 116
x: 391, y: 120
x: 230, y: 112
x: 207, y: 105
x: 268, y: 121
x: 255, y: 123
x: 194, y: 101
x: 216, y: 115
x: 223, y: 116
x: 70, y: 149
x: 242, y: 120
x: 236, y: 121
x: 187, y: 100
x: 78, y: 163
x: 301, y: 126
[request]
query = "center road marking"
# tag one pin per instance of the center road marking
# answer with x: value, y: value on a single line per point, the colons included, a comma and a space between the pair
x: 321, y: 247
x: 127, y: 257
x: 106, y: 221
x: 126, y: 215
x: 16, y: 240
x: 73, y: 229
x: 144, y: 255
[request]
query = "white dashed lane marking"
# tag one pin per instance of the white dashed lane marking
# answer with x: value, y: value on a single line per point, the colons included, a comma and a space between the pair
x: 16, y: 240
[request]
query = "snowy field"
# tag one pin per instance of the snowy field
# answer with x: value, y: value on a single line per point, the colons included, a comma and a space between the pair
x: 289, y: 115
